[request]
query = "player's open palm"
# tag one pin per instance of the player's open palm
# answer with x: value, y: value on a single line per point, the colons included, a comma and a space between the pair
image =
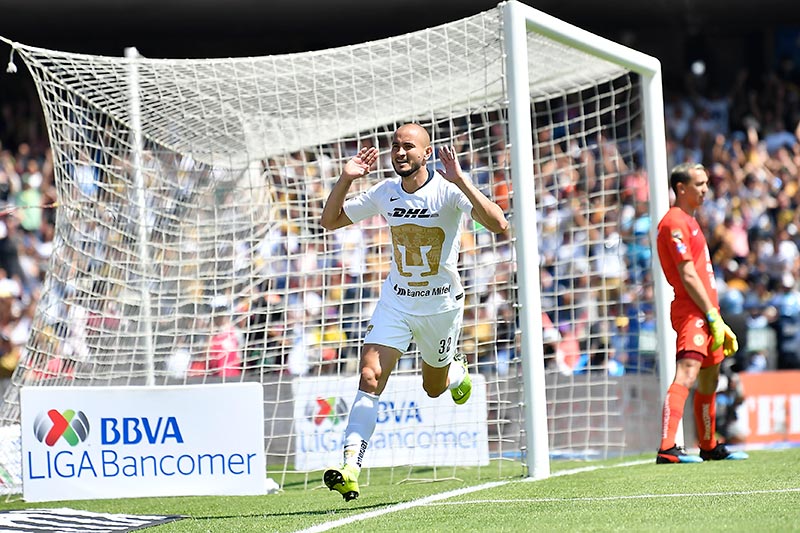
x: 451, y: 167
x: 360, y: 164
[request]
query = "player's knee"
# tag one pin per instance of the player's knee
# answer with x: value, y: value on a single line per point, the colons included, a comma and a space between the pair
x: 369, y: 380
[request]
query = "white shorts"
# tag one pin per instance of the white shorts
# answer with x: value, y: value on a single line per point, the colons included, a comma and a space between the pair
x: 436, y: 335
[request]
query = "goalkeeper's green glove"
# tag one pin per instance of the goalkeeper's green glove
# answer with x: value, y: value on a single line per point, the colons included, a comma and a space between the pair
x: 722, y: 334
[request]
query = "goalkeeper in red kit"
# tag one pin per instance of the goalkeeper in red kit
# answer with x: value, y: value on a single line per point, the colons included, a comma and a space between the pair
x: 704, y: 339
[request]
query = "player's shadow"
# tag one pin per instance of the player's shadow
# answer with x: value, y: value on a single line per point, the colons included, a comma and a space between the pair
x: 322, y: 512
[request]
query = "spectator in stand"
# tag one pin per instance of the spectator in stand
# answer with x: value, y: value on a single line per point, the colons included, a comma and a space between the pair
x: 9, y: 356
x: 608, y: 252
x: 506, y: 338
x: 728, y: 241
x: 607, y: 343
x: 736, y: 275
x: 786, y: 302
x: 678, y: 114
x: 327, y: 341
x: 10, y: 243
x: 10, y: 183
x: 731, y: 307
x: 785, y: 257
x: 639, y: 334
x: 639, y: 251
x: 9, y: 317
x: 551, y: 337
x: 569, y: 359
x: 223, y: 357
x: 478, y: 336
x: 730, y: 397
x: 30, y: 198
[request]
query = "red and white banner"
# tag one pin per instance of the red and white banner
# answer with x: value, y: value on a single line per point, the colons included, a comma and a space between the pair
x: 771, y: 411
x: 412, y: 429
x: 121, y: 442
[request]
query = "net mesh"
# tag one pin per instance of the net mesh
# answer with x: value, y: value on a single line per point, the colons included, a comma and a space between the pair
x: 189, y: 250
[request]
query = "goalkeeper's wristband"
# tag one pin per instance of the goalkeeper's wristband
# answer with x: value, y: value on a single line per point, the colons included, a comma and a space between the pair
x: 712, y: 315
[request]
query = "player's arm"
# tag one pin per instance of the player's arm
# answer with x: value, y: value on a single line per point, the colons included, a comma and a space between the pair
x: 694, y: 285
x: 721, y: 333
x: 333, y: 215
x: 485, y: 211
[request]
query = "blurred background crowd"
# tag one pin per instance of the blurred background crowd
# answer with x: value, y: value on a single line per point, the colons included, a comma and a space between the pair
x: 747, y: 137
x: 746, y: 132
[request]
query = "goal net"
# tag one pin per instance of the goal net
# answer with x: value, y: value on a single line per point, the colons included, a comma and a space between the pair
x: 187, y: 245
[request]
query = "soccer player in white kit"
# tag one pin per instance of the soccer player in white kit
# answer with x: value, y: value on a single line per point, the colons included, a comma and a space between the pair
x: 422, y: 298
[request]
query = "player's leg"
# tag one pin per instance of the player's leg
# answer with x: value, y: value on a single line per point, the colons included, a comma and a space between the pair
x: 705, y: 411
x: 387, y: 336
x: 705, y: 415
x: 692, y: 344
x: 455, y: 377
x: 434, y: 379
x: 377, y: 363
x: 686, y: 370
x: 460, y: 384
x: 443, y: 367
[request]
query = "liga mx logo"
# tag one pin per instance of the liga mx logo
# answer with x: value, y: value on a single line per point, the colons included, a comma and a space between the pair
x: 72, y: 426
x: 321, y: 410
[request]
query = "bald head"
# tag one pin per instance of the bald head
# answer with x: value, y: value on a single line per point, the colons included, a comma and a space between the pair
x: 413, y: 131
x: 411, y: 148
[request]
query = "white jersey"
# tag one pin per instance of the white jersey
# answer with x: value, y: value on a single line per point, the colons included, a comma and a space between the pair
x: 426, y: 229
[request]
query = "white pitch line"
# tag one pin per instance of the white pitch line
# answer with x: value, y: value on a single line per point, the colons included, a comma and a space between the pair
x: 400, y: 507
x: 444, y: 496
x: 631, y: 497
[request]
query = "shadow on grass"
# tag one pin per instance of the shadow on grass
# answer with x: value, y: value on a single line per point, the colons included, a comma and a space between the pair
x: 321, y: 512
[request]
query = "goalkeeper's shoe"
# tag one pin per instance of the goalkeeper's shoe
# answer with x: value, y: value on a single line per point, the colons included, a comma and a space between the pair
x: 343, y: 480
x: 462, y: 393
x: 721, y: 453
x: 676, y: 454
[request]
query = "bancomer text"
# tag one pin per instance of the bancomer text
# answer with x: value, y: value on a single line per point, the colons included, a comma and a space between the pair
x: 110, y: 464
x: 120, y: 434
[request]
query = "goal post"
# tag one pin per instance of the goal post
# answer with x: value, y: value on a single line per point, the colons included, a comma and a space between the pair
x: 188, y: 249
x: 137, y: 149
x: 519, y: 19
x: 530, y: 306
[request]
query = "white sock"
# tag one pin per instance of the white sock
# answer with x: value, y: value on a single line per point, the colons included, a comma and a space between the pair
x: 456, y: 373
x: 360, y: 427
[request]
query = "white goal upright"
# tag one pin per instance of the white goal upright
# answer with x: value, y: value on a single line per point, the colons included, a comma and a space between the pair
x: 188, y: 249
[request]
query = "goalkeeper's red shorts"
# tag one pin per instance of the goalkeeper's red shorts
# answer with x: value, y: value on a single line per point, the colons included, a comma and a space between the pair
x: 694, y: 336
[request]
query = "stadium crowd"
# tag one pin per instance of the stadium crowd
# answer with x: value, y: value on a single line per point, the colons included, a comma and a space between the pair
x: 748, y: 138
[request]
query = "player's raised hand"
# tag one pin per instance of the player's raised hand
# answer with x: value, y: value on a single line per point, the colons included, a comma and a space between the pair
x: 360, y: 164
x: 452, y: 168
